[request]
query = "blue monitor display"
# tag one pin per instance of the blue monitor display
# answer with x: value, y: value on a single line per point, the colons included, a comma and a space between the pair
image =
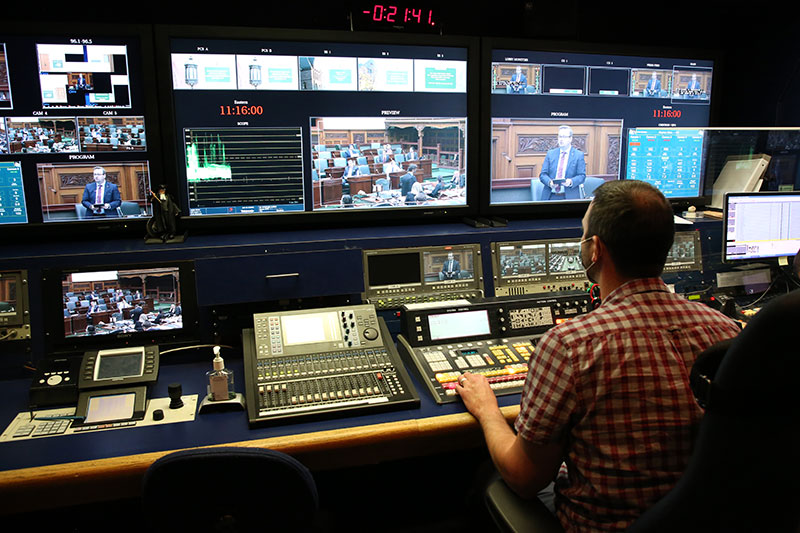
x: 669, y: 159
x: 560, y: 122
x: 271, y: 127
x: 12, y: 194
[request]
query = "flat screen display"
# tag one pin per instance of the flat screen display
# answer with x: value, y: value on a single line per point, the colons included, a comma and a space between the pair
x: 132, y: 302
x: 560, y: 121
x: 761, y: 226
x: 74, y: 111
x: 270, y: 127
x: 310, y: 328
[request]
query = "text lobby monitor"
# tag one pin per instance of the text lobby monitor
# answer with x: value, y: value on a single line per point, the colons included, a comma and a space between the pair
x: 266, y: 126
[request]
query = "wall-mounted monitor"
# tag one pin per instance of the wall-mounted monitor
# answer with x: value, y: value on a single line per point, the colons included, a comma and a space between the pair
x: 559, y: 121
x: 74, y: 100
x: 119, y: 305
x: 291, y: 123
x: 759, y: 226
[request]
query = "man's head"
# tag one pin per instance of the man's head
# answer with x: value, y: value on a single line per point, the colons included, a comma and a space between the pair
x: 635, y: 224
x: 412, y: 167
x: 99, y: 174
x: 564, y: 137
x: 450, y: 256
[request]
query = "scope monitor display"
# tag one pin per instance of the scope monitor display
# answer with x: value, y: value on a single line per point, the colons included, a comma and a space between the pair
x: 761, y: 225
x: 560, y: 121
x: 70, y: 103
x: 289, y: 126
x: 137, y: 304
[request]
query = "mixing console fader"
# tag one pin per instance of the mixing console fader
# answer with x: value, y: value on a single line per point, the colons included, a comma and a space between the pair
x: 494, y: 337
x: 322, y: 363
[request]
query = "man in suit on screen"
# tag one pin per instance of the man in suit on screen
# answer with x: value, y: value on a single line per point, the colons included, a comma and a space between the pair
x: 101, y: 198
x: 563, y: 170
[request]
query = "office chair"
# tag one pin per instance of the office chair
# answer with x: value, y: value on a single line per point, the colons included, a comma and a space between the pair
x: 589, y: 185
x: 128, y: 209
x: 743, y: 475
x: 229, y: 489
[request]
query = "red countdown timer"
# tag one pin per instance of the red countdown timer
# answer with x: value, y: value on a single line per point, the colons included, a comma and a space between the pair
x: 396, y: 14
x: 240, y: 110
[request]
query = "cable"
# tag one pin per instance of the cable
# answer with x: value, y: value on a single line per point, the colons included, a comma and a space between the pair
x: 195, y: 347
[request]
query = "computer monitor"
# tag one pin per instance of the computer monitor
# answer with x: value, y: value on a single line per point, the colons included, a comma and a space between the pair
x: 760, y: 226
x: 671, y: 159
x: 77, y: 104
x: 119, y: 305
x: 290, y: 123
x: 545, y: 103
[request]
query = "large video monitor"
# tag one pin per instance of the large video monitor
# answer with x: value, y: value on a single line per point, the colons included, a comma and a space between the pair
x: 288, y: 123
x: 562, y: 122
x: 760, y: 226
x: 119, y: 305
x: 78, y: 138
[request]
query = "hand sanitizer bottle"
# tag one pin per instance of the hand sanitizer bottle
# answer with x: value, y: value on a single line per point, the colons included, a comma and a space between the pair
x: 220, y: 380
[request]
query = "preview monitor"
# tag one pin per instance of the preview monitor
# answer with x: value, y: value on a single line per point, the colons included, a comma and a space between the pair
x: 560, y: 120
x: 76, y: 124
x: 316, y: 122
x: 536, y: 267
x: 760, y: 226
x: 118, y: 305
x: 14, y: 308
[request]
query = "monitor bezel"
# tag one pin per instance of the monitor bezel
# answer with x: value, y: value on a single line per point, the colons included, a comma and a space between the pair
x: 146, y: 91
x: 567, y: 208
x: 312, y: 219
x: 53, y: 318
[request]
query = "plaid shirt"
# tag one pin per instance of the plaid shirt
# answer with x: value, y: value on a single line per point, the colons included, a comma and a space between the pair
x: 614, y: 384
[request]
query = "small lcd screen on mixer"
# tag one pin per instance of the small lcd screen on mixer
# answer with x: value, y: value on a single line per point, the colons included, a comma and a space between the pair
x: 459, y: 325
x: 310, y: 328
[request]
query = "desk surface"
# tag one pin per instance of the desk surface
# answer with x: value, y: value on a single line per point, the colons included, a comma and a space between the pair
x: 82, y: 468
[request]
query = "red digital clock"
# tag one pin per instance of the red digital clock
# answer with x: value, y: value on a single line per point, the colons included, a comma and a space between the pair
x: 666, y: 113
x: 240, y: 110
x: 396, y: 16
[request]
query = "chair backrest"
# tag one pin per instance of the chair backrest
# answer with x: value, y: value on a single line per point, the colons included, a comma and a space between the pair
x: 590, y: 184
x: 229, y: 489
x: 742, y: 475
x: 536, y: 189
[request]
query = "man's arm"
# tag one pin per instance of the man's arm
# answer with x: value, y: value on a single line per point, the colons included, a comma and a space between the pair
x: 116, y: 200
x: 87, y: 199
x: 526, y: 467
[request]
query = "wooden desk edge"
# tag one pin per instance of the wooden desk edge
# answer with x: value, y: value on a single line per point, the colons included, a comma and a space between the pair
x: 51, y: 486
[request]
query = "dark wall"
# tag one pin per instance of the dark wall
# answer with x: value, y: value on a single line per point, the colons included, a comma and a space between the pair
x: 757, y: 83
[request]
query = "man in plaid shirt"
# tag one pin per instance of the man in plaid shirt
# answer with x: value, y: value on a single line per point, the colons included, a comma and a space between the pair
x: 607, y: 393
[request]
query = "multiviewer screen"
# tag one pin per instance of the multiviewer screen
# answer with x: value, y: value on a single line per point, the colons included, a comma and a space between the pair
x: 282, y: 127
x: 560, y: 123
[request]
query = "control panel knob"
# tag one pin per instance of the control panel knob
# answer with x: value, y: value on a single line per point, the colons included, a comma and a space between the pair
x: 370, y: 334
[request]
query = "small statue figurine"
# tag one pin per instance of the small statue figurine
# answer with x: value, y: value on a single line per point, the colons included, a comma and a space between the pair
x: 163, y: 225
